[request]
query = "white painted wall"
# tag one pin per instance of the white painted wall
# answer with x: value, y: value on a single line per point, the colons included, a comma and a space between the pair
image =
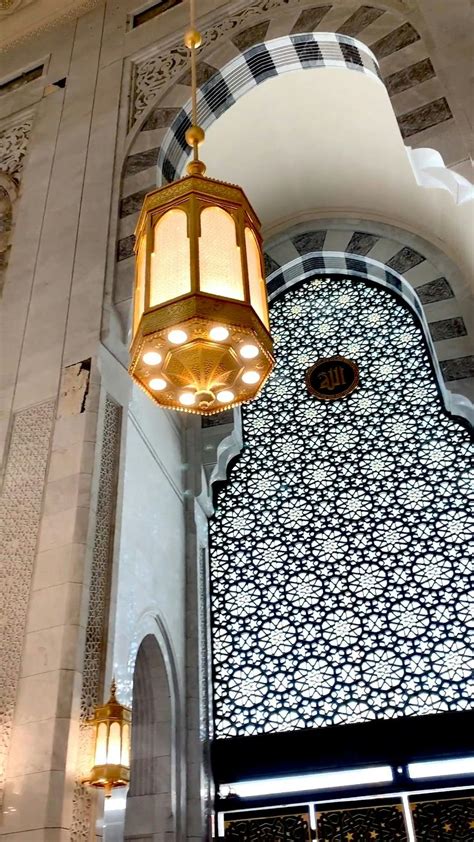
x: 323, y: 142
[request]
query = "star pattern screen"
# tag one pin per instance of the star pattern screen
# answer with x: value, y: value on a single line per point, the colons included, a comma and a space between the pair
x: 341, y: 572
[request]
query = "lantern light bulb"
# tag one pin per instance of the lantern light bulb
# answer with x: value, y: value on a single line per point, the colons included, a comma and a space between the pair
x: 250, y: 377
x: 248, y: 352
x: 177, y: 337
x: 218, y: 334
x: 157, y: 384
x: 187, y: 398
x: 152, y: 358
x: 226, y: 396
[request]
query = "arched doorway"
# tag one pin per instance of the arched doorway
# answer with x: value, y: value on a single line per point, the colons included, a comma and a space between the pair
x: 149, y: 813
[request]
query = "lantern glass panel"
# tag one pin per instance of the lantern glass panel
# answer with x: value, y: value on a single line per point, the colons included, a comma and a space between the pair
x: 170, y: 273
x: 139, y: 300
x: 101, y: 745
x: 126, y: 745
x: 258, y: 293
x: 114, y: 748
x: 220, y: 267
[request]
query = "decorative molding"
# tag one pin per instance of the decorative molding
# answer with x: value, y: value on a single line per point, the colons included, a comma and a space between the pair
x: 20, y: 515
x: 8, y: 196
x: 94, y: 657
x: 154, y: 72
x: 430, y: 170
x: 14, y: 139
x: 304, y: 51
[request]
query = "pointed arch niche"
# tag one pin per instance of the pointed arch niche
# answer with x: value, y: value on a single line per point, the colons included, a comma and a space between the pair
x: 338, y: 547
x: 150, y: 807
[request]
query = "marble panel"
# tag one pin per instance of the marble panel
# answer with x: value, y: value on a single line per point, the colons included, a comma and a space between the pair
x: 253, y: 35
x: 383, y: 250
x: 55, y: 606
x: 361, y: 243
x: 424, y: 117
x: 159, y: 118
x: 458, y: 369
x: 145, y: 181
x: 462, y: 387
x: 395, y: 40
x: 312, y: 241
x: 360, y: 19
x: 66, y: 493
x: 204, y: 72
x: 455, y: 348
x: 310, y: 19
x: 133, y: 203
x: 125, y: 247
x: 421, y: 274
x: 59, y: 565
x: 76, y: 458
x: 337, y: 239
x: 405, y: 259
x: 32, y: 802
x: 409, y: 76
x: 270, y: 264
x: 37, y: 746
x: 141, y: 161
x: 447, y: 329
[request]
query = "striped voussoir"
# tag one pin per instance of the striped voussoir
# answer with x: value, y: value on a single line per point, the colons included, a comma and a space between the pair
x: 251, y: 68
x: 362, y: 253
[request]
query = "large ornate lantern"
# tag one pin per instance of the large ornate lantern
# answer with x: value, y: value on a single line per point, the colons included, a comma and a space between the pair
x: 111, y: 723
x: 201, y: 340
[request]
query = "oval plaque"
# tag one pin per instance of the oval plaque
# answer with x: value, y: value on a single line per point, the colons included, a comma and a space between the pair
x: 332, y: 377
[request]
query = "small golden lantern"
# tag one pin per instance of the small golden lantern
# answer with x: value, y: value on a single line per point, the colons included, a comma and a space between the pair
x: 112, y: 723
x: 201, y: 340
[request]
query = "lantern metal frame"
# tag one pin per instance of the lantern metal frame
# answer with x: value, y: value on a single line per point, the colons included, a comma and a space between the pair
x: 197, y: 311
x: 108, y: 776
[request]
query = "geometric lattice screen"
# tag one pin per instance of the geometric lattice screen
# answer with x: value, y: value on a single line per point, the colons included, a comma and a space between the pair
x: 340, y: 565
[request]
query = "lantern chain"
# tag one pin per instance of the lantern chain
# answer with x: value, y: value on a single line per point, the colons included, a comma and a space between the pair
x: 195, y: 134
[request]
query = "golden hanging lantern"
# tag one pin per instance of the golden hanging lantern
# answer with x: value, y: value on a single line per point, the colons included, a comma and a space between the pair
x: 201, y: 340
x: 112, y: 723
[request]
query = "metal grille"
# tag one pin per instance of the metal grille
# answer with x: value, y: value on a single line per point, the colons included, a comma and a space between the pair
x: 339, y: 546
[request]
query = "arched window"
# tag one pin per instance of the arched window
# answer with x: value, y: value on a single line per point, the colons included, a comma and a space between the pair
x: 339, y: 545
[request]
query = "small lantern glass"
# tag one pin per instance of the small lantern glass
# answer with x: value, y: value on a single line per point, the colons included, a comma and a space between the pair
x: 112, y: 724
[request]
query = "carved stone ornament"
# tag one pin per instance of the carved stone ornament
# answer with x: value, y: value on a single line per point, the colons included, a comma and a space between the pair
x: 14, y: 144
x: 155, y: 72
x: 7, y: 7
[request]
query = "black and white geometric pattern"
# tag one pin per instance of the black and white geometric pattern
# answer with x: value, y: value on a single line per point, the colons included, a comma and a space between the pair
x: 251, y: 68
x: 403, y: 268
x: 340, y: 545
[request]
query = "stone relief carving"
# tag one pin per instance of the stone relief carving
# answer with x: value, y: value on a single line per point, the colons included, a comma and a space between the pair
x: 8, y: 195
x: 7, y: 7
x: 155, y: 72
x: 92, y: 678
x: 20, y: 513
x: 14, y: 144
